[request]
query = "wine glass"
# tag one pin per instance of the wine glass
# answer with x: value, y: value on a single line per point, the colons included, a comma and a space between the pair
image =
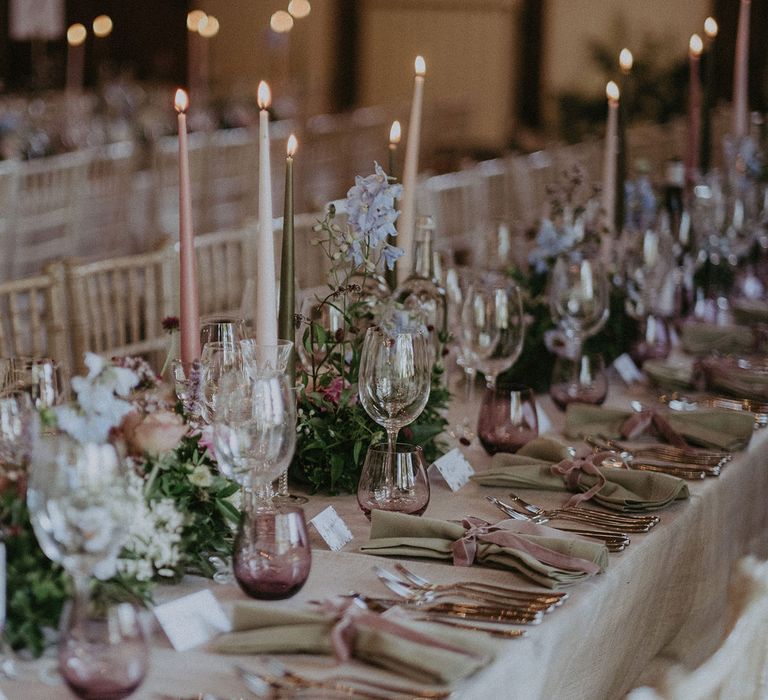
x: 17, y: 422
x: 578, y: 298
x: 81, y: 507
x: 255, y: 431
x: 394, y: 377
x: 221, y: 329
x: 493, y: 325
x: 39, y: 377
x: 217, y: 359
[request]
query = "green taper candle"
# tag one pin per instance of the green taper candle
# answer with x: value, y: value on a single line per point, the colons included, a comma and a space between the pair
x: 285, y: 320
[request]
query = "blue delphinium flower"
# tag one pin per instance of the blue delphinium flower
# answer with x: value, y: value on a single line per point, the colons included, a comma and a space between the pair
x: 372, y: 215
x: 549, y: 244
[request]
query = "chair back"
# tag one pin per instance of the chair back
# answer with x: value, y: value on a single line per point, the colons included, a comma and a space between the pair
x: 49, y: 211
x: 233, y: 158
x: 33, y: 317
x: 116, y: 306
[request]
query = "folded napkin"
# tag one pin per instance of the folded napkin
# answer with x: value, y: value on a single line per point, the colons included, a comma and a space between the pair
x: 672, y: 373
x: 708, y: 427
x: 749, y: 311
x: 741, y: 377
x: 549, y: 557
x: 539, y: 465
x: 423, y: 651
x: 706, y: 338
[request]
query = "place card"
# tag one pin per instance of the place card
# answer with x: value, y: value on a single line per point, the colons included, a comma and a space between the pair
x: 627, y: 369
x: 454, y: 468
x: 332, y: 528
x: 192, y: 620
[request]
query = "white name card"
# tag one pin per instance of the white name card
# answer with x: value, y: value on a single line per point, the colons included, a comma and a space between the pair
x: 627, y: 369
x: 192, y: 620
x: 454, y: 468
x: 332, y: 528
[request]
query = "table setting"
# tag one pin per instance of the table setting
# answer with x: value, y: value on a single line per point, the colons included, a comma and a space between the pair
x: 310, y: 499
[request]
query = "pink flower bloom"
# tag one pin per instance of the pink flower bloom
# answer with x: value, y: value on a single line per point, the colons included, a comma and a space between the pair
x: 332, y: 392
x: 155, y: 434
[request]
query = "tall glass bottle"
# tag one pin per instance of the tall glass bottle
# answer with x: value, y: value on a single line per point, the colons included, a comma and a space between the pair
x: 422, y: 293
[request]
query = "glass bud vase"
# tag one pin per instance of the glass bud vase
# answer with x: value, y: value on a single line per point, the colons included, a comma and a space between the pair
x: 421, y: 293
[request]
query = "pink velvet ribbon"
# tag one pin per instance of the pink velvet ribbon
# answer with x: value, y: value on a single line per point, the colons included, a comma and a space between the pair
x: 640, y: 421
x: 480, y: 531
x: 572, y: 469
x: 350, y: 616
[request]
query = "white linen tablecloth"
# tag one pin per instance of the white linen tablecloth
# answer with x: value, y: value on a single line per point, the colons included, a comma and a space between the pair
x: 663, y: 600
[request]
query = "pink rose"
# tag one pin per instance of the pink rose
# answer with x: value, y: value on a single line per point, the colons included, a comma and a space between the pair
x: 155, y: 434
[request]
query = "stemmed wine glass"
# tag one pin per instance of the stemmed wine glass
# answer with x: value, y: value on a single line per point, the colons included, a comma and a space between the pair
x: 254, y: 437
x: 221, y: 329
x: 578, y: 298
x: 493, y: 325
x: 394, y: 378
x: 218, y: 358
x: 81, y: 507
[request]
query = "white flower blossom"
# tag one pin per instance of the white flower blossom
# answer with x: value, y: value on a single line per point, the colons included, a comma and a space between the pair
x: 201, y: 476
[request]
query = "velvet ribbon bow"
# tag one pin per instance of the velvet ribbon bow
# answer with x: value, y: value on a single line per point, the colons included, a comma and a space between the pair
x: 640, y: 421
x: 572, y: 469
x: 480, y: 531
x: 350, y: 614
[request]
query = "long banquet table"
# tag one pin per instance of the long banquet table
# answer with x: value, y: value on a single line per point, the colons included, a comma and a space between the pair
x: 663, y: 600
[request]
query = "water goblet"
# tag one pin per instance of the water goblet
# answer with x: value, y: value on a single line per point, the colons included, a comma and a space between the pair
x: 17, y: 424
x: 394, y: 378
x: 580, y: 380
x: 398, y: 484
x: 508, y: 419
x: 39, y: 377
x: 272, y: 554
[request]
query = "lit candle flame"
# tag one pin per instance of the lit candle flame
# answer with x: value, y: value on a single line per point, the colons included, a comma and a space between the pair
x: 209, y: 28
x: 194, y: 19
x: 76, y: 34
x: 395, y: 132
x: 102, y: 26
x: 263, y: 95
x: 612, y: 91
x: 696, y: 45
x: 420, y: 65
x: 181, y: 101
x: 710, y: 27
x: 626, y: 60
x: 293, y: 144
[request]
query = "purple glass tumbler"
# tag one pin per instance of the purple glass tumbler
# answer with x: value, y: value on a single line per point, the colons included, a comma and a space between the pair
x: 272, y: 556
x: 508, y: 419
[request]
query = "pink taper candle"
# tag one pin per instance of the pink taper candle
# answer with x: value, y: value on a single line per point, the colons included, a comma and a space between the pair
x: 407, y: 218
x: 189, y: 317
x: 266, y: 298
x: 740, y: 67
x: 695, y: 47
x: 611, y: 150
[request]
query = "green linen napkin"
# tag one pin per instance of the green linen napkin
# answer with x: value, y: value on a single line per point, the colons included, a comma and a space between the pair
x: 261, y: 629
x: 750, y: 311
x: 400, y: 535
x: 706, y: 338
x: 708, y: 427
x: 625, y: 490
x: 671, y: 373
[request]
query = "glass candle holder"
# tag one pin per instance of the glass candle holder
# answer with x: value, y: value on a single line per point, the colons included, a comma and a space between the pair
x: 272, y: 556
x: 394, y: 480
x: 507, y: 419
x: 582, y: 380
